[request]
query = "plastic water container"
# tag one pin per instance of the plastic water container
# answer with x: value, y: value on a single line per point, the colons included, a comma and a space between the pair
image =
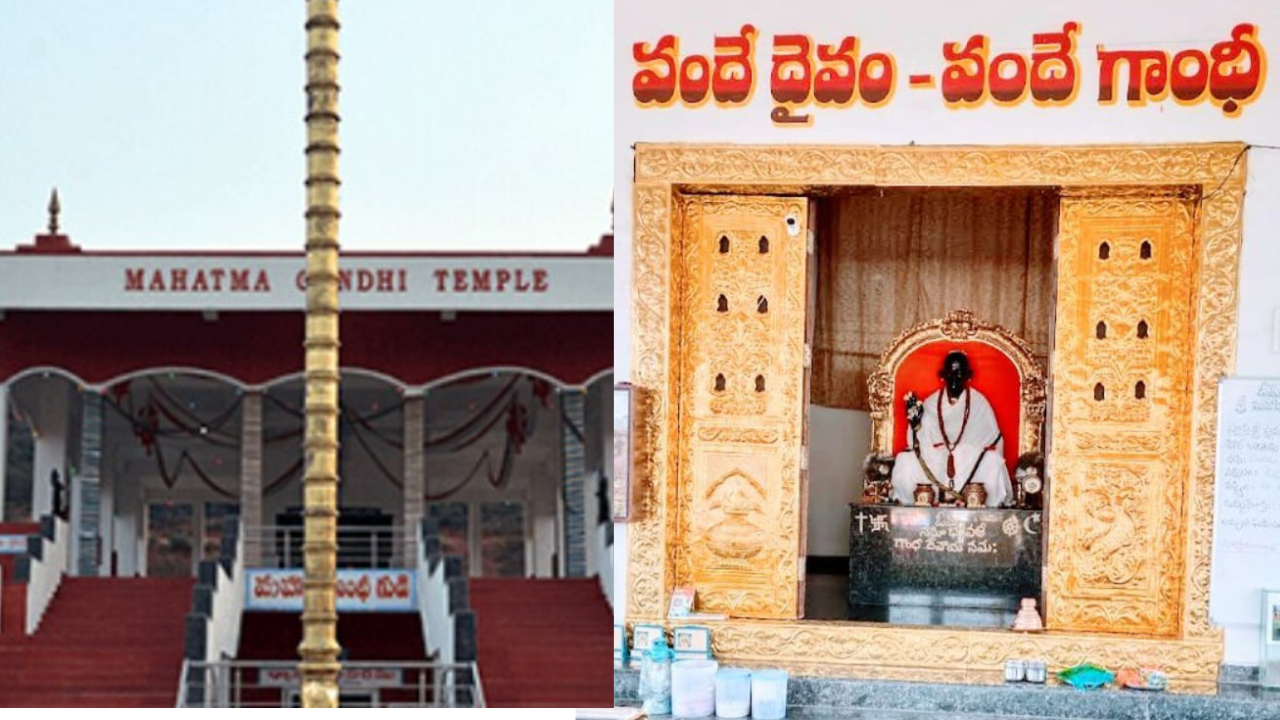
x: 655, y: 678
x: 733, y: 693
x: 769, y: 694
x: 693, y: 688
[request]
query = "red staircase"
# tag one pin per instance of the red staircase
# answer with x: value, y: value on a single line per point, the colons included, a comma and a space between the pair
x: 544, y: 643
x: 13, y: 596
x: 364, y: 637
x: 104, y: 642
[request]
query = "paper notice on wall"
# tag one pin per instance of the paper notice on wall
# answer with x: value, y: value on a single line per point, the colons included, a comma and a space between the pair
x: 1246, y: 540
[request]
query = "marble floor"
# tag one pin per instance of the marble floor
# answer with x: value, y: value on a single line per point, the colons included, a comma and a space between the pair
x: 814, y: 713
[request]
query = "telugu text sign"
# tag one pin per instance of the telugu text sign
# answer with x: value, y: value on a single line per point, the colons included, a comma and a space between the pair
x: 805, y: 72
x: 358, y: 590
x: 348, y: 678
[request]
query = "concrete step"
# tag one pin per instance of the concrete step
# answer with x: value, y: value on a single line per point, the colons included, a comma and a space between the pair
x: 821, y: 697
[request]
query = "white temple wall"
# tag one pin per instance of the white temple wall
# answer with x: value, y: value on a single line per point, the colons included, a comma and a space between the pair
x: 126, y: 493
x: 918, y: 116
x: 52, y: 427
x: 839, y: 440
x: 107, y: 499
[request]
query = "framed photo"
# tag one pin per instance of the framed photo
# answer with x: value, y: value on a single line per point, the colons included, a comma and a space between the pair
x: 1271, y: 619
x: 643, y: 637
x: 622, y: 400
x: 692, y: 638
x: 681, y: 602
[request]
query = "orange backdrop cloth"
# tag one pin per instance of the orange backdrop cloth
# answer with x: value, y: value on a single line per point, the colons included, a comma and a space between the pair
x: 890, y: 259
x: 994, y: 375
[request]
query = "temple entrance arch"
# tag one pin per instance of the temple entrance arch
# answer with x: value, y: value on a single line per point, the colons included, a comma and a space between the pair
x: 1138, y: 193
x: 40, y: 408
x: 507, y: 454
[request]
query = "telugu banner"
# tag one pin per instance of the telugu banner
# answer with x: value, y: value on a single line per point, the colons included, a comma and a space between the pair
x: 804, y: 73
x: 348, y: 678
x: 358, y: 590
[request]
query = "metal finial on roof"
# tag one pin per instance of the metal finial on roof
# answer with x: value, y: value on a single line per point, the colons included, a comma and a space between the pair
x: 54, y: 208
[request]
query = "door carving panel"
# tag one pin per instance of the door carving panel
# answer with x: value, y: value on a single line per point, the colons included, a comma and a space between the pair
x: 1121, y: 434
x: 741, y: 311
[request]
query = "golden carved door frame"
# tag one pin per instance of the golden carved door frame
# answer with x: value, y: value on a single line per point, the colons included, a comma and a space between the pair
x: 666, y: 174
x: 742, y: 316
x: 1125, y: 330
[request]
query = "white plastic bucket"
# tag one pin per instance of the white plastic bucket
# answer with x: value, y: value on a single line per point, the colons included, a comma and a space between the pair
x: 693, y: 688
x: 769, y: 694
x: 733, y: 693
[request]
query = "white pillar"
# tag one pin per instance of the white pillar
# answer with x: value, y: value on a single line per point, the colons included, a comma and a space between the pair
x: 51, y: 421
x: 415, y: 471
x: 107, y: 525
x: 573, y: 474
x: 86, y: 490
x: 251, y: 474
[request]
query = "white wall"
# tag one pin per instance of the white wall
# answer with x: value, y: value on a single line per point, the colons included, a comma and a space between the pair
x: 839, y: 442
x: 915, y: 36
x: 127, y: 520
x: 52, y: 428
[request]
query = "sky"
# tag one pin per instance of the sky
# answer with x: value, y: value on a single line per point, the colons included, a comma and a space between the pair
x: 476, y: 125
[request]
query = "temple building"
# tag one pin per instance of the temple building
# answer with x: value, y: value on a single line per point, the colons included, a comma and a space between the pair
x: 950, y: 345
x: 151, y: 442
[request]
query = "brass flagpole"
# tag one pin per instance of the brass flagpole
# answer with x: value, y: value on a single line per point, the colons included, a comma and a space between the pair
x: 319, y: 649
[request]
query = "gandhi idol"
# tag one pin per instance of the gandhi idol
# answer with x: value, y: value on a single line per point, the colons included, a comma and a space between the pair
x: 953, y: 439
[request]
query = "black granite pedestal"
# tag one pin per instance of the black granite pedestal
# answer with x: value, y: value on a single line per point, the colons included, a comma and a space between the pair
x: 942, y: 565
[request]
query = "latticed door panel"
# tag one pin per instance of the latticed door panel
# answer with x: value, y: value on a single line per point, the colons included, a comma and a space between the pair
x: 741, y: 318
x: 1122, y: 413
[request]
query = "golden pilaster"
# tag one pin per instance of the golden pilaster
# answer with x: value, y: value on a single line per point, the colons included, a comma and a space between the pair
x: 319, y: 649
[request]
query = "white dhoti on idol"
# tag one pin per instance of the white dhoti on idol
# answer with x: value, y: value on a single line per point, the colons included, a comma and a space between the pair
x: 975, y: 443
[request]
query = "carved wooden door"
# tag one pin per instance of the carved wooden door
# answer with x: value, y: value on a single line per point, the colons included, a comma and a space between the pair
x: 743, y: 402
x: 1122, y: 425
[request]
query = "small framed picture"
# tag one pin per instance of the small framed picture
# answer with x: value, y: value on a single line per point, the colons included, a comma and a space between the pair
x: 643, y: 637
x: 681, y: 602
x: 692, y: 638
x: 1271, y: 616
x: 622, y: 407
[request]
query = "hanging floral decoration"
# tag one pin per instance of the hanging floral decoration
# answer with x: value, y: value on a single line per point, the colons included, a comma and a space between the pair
x: 158, y: 419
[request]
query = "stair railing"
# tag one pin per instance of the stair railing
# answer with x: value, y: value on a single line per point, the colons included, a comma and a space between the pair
x: 43, y: 567
x: 274, y: 683
x: 444, y: 597
x: 433, y: 594
x: 217, y: 606
x: 359, y: 546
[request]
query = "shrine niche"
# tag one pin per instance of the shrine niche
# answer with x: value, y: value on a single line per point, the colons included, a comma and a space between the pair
x: 948, y: 528
x: 1145, y: 324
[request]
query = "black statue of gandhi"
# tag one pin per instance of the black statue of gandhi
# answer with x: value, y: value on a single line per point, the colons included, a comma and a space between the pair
x: 955, y: 428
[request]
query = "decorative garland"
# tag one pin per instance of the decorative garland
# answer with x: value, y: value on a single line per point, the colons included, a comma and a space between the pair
x: 162, y: 416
